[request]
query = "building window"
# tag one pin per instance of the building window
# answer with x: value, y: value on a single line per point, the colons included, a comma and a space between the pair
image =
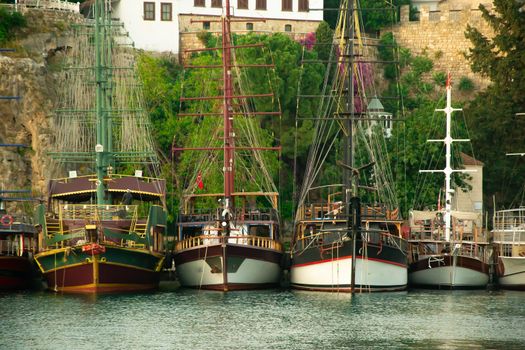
x: 149, y: 11
x: 260, y: 5
x: 287, y: 27
x: 216, y: 3
x: 199, y: 3
x: 165, y: 11
x: 242, y: 4
x: 206, y: 25
x: 287, y: 5
x: 249, y: 26
x: 304, y: 6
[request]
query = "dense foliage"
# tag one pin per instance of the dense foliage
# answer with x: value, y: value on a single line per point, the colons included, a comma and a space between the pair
x: 165, y: 81
x: 9, y: 22
x: 376, y: 14
x: 496, y: 127
x: 492, y: 118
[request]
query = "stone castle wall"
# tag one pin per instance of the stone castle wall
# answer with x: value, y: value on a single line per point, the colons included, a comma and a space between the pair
x: 440, y: 35
x: 188, y: 30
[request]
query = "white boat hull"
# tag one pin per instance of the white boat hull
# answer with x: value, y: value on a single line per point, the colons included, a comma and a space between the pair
x: 233, y: 267
x: 449, y: 272
x: 335, y: 275
x: 511, y: 272
x: 251, y: 274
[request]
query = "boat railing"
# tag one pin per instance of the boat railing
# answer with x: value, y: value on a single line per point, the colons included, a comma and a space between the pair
x: 80, y: 236
x: 336, y: 211
x: 324, y: 238
x: 239, y: 214
x: 113, y: 176
x: 511, y: 220
x: 470, y: 249
x: 460, y: 248
x: 207, y: 240
x: 432, y: 231
x: 510, y: 237
x: 95, y: 212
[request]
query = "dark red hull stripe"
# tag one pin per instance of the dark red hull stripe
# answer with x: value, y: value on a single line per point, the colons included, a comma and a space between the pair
x: 14, y: 282
x: 112, y: 274
x: 462, y: 261
x: 347, y: 287
x: 246, y: 252
x: 321, y: 254
x: 15, y: 273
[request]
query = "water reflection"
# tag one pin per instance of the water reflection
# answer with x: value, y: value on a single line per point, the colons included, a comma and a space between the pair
x: 274, y: 319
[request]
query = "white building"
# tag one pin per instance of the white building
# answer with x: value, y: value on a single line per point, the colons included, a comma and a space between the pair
x: 471, y: 200
x: 156, y: 25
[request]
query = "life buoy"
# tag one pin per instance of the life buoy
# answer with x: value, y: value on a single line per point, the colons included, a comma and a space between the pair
x: 6, y: 220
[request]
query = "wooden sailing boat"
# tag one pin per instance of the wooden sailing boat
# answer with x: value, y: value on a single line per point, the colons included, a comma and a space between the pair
x: 509, y: 245
x: 18, y: 239
x: 233, y: 241
x: 341, y: 244
x: 102, y: 231
x: 447, y: 249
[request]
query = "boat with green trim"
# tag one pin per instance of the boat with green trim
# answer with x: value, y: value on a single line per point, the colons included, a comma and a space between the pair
x: 103, y: 226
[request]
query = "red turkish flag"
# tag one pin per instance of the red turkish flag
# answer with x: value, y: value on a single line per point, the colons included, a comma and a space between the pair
x: 200, y: 184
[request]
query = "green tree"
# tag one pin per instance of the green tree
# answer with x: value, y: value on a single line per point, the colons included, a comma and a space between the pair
x: 376, y: 14
x: 496, y: 129
x: 9, y: 22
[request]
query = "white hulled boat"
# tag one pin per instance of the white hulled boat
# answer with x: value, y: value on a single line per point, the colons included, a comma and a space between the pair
x: 509, y: 247
x: 230, y: 240
x: 447, y: 248
x: 341, y: 243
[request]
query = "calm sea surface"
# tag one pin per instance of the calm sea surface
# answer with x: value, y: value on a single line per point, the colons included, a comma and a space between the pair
x: 275, y: 319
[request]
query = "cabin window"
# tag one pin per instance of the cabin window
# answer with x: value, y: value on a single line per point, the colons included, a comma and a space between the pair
x: 242, y: 4
x: 287, y: 27
x: 287, y: 5
x: 216, y: 3
x: 199, y: 3
x: 165, y: 11
x: 206, y: 25
x: 260, y: 5
x: 303, y: 6
x: 149, y: 11
x: 249, y: 26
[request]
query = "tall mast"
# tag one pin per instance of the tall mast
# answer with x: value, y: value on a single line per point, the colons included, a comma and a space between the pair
x: 349, y: 109
x: 102, y: 148
x: 448, y: 158
x: 352, y: 207
x: 227, y: 109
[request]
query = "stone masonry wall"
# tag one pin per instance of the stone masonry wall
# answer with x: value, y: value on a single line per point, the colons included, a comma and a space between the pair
x: 189, y: 31
x: 440, y: 35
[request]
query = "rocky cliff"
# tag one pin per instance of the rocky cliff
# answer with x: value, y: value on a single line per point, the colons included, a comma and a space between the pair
x: 29, y: 72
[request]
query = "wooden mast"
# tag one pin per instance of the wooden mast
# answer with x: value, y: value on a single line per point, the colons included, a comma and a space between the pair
x: 227, y: 110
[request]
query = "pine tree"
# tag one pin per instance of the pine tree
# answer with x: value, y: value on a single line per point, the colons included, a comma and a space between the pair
x: 494, y: 115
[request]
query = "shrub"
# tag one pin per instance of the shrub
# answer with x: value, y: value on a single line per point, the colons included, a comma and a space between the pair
x: 9, y: 22
x: 421, y: 64
x: 440, y: 78
x: 465, y: 84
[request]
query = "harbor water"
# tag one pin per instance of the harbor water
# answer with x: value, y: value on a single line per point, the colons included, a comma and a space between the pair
x: 273, y: 319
